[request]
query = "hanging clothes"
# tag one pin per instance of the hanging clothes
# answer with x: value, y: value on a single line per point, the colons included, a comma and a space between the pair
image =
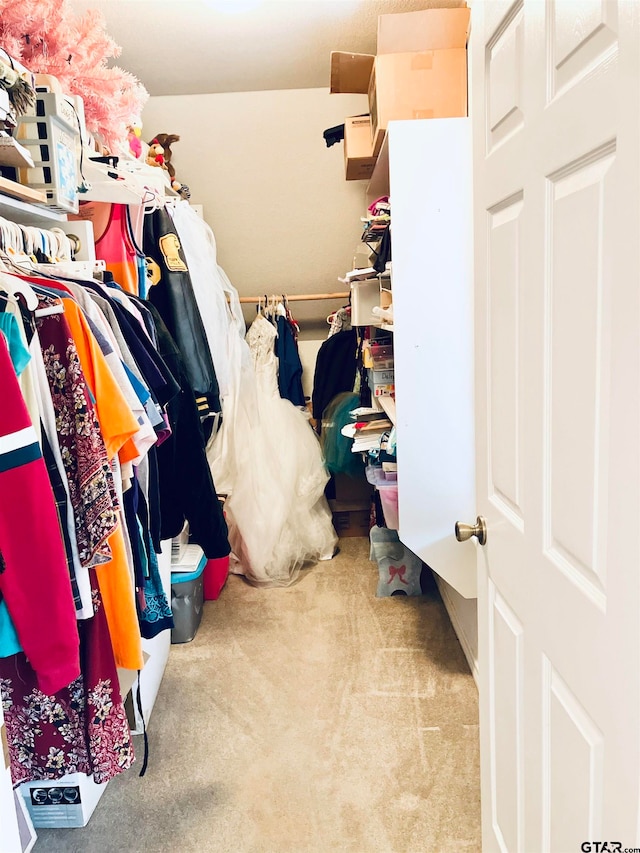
x: 172, y: 295
x: 153, y: 609
x: 187, y: 490
x: 90, y: 477
x: 79, y: 573
x: 335, y: 371
x: 100, y: 388
x: 289, y: 364
x: 113, y: 240
x: 81, y: 728
x: 199, y: 246
x: 34, y: 579
x: 18, y: 351
x: 267, y: 459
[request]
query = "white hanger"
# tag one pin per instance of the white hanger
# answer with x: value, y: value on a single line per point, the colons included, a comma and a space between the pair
x: 15, y: 286
x: 152, y: 200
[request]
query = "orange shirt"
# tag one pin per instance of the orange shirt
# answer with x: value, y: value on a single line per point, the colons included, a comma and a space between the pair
x: 117, y: 425
x: 117, y: 422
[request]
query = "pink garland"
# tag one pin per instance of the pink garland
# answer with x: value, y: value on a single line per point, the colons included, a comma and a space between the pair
x: 47, y: 37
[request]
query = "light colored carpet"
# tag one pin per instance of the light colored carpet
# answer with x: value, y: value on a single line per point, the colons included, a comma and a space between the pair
x: 307, y: 720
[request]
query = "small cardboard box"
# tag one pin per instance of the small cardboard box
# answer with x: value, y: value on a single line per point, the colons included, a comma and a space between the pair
x: 358, y: 149
x: 430, y: 29
x: 349, y: 522
x: 350, y: 72
x: 430, y: 84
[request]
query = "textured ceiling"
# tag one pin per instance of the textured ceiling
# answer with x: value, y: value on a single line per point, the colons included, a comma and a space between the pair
x: 179, y: 47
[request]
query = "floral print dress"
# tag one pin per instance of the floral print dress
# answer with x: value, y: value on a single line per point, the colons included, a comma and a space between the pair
x: 83, y: 727
x: 91, y: 486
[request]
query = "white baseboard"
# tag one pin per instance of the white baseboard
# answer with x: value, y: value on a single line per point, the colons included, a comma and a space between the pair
x: 457, y: 627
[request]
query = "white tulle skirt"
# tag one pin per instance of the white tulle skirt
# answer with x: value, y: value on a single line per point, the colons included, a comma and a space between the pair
x: 267, y: 460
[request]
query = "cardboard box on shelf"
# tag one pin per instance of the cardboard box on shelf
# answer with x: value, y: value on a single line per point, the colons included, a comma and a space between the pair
x: 350, y: 72
x: 430, y: 84
x: 349, y: 522
x: 429, y: 29
x: 426, y: 84
x: 358, y: 149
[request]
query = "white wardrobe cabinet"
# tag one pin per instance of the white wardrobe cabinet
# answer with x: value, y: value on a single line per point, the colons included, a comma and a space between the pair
x: 426, y: 167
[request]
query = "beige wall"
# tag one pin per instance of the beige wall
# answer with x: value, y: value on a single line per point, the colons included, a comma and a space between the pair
x: 285, y: 219
x: 308, y: 350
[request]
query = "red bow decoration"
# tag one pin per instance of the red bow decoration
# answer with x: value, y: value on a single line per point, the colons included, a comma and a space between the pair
x: 399, y: 572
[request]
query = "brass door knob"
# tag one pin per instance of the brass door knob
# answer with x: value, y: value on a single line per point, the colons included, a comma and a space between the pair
x: 466, y: 531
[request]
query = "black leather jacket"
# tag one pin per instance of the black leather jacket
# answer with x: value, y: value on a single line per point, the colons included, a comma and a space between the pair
x: 171, y: 292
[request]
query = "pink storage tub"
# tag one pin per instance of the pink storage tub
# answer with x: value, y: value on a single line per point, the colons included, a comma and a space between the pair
x: 388, y: 495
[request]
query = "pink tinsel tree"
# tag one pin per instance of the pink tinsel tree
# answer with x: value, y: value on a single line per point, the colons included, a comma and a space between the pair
x: 47, y: 37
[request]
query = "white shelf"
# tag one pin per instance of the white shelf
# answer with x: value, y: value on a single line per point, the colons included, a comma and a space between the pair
x: 28, y: 214
x: 389, y: 406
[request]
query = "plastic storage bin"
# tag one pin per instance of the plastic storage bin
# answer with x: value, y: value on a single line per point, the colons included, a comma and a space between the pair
x: 380, y: 390
x: 365, y: 295
x: 388, y: 495
x: 382, y: 356
x: 389, y: 501
x: 214, y: 578
x: 52, y: 138
x: 189, y: 559
x: 384, y: 377
x: 187, y: 601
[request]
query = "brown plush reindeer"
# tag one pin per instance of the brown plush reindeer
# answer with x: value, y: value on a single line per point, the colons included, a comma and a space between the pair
x: 166, y: 140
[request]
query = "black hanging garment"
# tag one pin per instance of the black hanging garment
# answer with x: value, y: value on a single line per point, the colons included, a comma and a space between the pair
x: 187, y: 490
x: 333, y: 135
x: 384, y: 252
x: 171, y: 291
x: 289, y: 365
x: 335, y: 370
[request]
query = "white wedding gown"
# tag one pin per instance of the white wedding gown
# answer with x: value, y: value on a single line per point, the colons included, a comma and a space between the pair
x: 297, y: 520
x: 265, y: 457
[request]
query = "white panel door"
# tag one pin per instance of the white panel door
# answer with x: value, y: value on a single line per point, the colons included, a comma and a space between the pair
x: 431, y: 194
x: 556, y: 97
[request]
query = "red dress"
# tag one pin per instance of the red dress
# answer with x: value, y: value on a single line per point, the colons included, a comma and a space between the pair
x: 34, y: 577
x: 79, y: 724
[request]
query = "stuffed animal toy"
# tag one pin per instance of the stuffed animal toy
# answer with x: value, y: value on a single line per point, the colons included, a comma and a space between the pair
x: 166, y: 140
x: 155, y: 154
x: 134, y: 141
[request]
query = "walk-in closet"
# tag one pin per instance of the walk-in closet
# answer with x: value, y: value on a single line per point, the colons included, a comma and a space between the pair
x: 319, y: 456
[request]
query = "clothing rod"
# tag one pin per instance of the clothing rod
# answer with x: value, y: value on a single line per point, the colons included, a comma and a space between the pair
x: 298, y: 297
